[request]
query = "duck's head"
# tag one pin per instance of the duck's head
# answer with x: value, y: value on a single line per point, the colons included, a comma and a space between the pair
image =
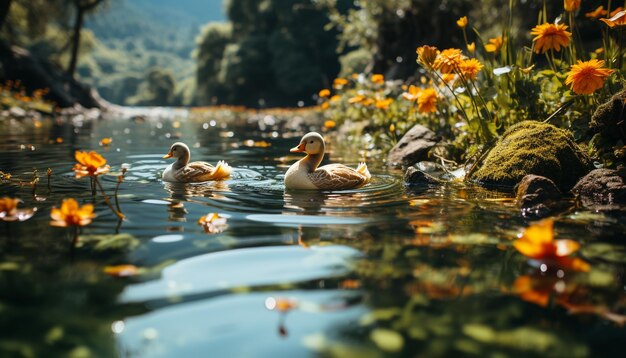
x: 178, y: 150
x: 312, y: 143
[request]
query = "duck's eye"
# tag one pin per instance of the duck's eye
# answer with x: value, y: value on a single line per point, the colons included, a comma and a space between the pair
x: 173, y: 149
x: 311, y: 142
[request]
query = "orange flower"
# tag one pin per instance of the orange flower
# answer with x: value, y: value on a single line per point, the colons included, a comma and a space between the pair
x: 383, y: 103
x: 105, y: 141
x: 571, y: 5
x: 89, y: 164
x: 614, y: 12
x: 462, y: 22
x: 335, y: 98
x: 448, y: 77
x: 597, y: 13
x: 70, y: 214
x: 324, y: 93
x: 213, y: 223
x: 470, y: 68
x: 378, y: 79
x: 550, y: 37
x: 329, y: 124
x: 587, y: 77
x: 122, y: 270
x: 426, y: 56
x: 619, y: 19
x: 537, y: 242
x: 494, y: 44
x: 325, y: 105
x: 448, y: 60
x: 411, y: 94
x: 471, y: 47
x: 10, y: 212
x: 281, y: 304
x: 338, y: 83
x: 427, y: 101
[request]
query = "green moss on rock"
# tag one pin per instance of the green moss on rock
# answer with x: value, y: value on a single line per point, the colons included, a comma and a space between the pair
x: 536, y: 148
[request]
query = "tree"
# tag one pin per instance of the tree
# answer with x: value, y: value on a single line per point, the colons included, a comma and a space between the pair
x: 81, y: 7
x: 5, y: 6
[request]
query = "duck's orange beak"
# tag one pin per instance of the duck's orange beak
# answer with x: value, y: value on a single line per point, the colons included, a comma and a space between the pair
x: 299, y: 149
x: 168, y: 155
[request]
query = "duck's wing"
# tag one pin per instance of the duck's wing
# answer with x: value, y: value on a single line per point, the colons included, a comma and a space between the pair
x: 336, y: 177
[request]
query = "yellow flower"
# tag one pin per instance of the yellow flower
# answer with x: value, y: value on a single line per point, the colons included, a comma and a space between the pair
x: 571, y: 5
x: 494, y: 44
x: 471, y: 47
x: 411, y: 94
x: 448, y: 60
x: 70, y: 214
x: 537, y: 242
x: 619, y: 19
x: 427, y: 101
x: 324, y: 93
x: 384, y: 103
x: 329, y: 124
x: 448, y: 77
x: 338, y: 83
x: 356, y: 99
x: 470, y: 68
x: 550, y: 37
x: 597, y: 13
x: 462, y: 22
x: 213, y: 223
x: 378, y: 79
x: 10, y: 212
x: 89, y: 164
x: 587, y: 77
x: 325, y: 105
x: 426, y: 56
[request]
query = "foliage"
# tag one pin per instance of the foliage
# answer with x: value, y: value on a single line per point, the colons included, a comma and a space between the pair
x: 484, y: 86
x: 272, y: 53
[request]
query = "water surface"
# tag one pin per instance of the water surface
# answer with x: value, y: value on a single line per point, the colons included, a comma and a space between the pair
x: 379, y: 271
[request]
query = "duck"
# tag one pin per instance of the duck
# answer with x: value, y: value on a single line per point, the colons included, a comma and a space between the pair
x: 305, y: 174
x: 184, y: 172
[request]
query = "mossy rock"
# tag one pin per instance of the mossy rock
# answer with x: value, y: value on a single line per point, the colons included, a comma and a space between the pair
x: 536, y: 148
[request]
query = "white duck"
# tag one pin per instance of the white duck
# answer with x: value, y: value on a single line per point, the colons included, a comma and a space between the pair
x: 305, y: 173
x: 185, y: 172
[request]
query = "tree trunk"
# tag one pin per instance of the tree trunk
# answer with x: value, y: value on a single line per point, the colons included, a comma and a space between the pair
x: 78, y: 25
x: 5, y: 6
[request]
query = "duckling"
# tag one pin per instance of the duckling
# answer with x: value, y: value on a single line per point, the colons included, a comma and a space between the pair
x: 305, y: 173
x: 184, y: 172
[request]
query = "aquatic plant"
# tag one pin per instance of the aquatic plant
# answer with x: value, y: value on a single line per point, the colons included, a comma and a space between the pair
x: 92, y: 165
x: 213, y: 223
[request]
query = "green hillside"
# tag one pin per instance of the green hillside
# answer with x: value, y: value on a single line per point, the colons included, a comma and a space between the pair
x: 134, y: 39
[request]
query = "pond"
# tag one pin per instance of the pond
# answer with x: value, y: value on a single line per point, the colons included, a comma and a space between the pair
x: 380, y: 271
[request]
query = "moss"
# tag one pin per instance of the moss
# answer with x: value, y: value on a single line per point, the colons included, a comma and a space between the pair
x: 533, y: 148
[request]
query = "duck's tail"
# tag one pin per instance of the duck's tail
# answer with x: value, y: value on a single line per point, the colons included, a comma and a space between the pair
x: 362, y: 169
x: 222, y: 170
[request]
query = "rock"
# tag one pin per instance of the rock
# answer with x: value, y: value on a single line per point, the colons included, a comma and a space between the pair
x: 602, y: 189
x: 17, y: 112
x: 35, y: 73
x: 537, y: 196
x: 609, y: 119
x: 415, y: 177
x: 413, y: 147
x: 536, y: 148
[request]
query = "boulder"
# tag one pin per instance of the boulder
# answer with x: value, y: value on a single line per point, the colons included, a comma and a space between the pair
x: 531, y: 147
x: 416, y: 177
x: 413, y: 147
x: 609, y: 119
x: 537, y: 196
x: 602, y: 189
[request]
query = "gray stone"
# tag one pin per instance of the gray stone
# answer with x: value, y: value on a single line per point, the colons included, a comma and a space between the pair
x: 537, y: 196
x: 602, y: 189
x: 413, y: 147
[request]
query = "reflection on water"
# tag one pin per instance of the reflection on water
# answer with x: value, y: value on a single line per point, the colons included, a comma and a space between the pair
x: 382, y: 270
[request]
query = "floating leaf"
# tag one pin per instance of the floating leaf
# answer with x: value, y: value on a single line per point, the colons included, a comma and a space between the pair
x: 387, y: 340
